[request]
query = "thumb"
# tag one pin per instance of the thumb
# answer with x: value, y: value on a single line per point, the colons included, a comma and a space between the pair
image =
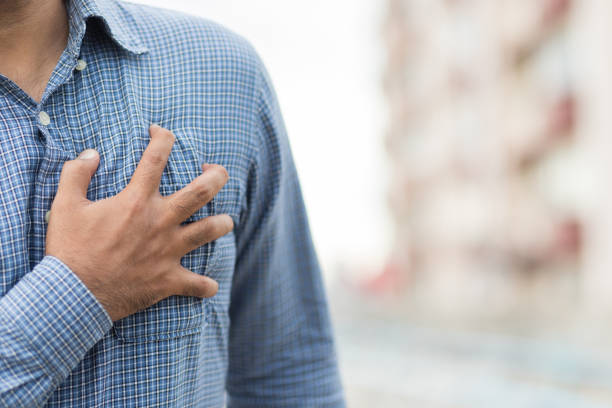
x: 76, y: 174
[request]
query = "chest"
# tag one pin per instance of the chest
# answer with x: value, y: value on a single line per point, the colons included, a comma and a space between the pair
x: 109, y: 106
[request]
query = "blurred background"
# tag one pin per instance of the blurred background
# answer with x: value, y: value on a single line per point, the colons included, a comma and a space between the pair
x: 455, y: 157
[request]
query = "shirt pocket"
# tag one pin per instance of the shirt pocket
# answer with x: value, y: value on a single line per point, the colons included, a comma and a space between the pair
x: 175, y: 316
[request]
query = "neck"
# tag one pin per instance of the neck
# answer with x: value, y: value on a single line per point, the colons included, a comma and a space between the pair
x: 33, y: 35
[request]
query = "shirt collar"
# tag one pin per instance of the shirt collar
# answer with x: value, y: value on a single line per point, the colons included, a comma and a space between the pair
x: 117, y: 20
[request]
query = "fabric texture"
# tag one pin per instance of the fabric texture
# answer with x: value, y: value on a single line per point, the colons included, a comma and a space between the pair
x: 265, y: 339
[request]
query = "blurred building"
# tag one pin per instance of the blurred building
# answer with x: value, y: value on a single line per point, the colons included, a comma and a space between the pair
x: 491, y: 187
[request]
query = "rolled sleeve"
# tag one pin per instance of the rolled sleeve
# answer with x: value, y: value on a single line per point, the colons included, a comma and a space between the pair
x: 48, y: 321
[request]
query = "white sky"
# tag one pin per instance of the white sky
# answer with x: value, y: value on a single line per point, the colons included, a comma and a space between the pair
x: 325, y: 59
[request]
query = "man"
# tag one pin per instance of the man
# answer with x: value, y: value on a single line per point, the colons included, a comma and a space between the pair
x: 142, y: 266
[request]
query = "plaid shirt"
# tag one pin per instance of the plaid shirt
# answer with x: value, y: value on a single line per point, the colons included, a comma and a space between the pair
x: 125, y: 67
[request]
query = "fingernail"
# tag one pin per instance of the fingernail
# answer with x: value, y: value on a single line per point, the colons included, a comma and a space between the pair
x: 88, y: 154
x: 154, y: 126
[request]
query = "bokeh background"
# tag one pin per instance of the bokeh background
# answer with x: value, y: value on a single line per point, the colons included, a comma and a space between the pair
x: 456, y: 162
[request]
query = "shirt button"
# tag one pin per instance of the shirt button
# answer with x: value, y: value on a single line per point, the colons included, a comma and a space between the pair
x: 47, y: 215
x: 81, y: 65
x: 43, y: 118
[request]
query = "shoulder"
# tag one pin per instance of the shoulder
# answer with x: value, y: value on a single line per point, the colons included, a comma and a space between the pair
x: 190, y: 39
x: 217, y: 77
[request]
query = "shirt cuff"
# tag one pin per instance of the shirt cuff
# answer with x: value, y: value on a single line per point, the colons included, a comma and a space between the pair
x: 54, y: 316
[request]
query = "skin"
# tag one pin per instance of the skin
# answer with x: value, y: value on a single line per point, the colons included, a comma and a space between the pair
x: 126, y: 249
x: 33, y: 35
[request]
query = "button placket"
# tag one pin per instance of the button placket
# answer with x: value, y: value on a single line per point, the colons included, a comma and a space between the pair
x: 47, y: 181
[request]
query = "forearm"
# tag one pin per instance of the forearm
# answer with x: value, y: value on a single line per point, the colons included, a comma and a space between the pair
x: 54, y: 315
x: 48, y: 322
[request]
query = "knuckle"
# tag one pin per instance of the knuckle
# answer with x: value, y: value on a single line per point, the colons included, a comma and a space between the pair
x: 179, y: 209
x: 203, y: 192
x: 132, y: 194
x: 153, y: 157
x: 195, y: 239
x: 134, y: 204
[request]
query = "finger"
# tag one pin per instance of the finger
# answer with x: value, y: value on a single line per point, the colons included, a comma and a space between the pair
x: 187, y: 283
x: 198, y: 193
x: 147, y: 175
x: 206, y: 230
x: 76, y: 175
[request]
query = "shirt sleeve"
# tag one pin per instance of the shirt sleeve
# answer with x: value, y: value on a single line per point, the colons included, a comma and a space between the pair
x: 281, y: 349
x: 48, y: 321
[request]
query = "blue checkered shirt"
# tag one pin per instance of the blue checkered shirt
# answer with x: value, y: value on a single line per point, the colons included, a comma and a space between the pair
x: 265, y: 339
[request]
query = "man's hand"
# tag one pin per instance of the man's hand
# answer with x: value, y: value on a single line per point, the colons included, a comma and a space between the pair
x: 127, y: 249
